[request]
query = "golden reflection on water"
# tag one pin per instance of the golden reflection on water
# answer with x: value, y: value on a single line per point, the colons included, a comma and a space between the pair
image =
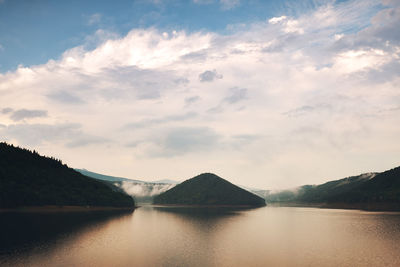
x: 269, y: 236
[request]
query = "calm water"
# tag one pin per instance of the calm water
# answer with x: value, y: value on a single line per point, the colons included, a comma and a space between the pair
x: 151, y: 236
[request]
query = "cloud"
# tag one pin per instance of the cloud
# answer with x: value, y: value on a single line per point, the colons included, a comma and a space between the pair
x: 317, y: 84
x: 192, y: 99
x: 183, y: 81
x: 36, y: 134
x: 240, y: 141
x: 276, y: 20
x: 209, y: 76
x: 236, y: 94
x: 162, y: 120
x: 299, y: 111
x: 184, y: 140
x: 144, y: 189
x: 22, y: 114
x: 6, y: 110
x: 391, y: 2
x: 64, y: 97
x: 70, y: 134
x: 94, y: 19
x: 86, y: 140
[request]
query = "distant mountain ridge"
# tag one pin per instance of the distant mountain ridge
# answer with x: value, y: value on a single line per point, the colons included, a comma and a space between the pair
x: 319, y: 192
x: 210, y: 190
x: 142, y: 191
x: 375, y: 191
x: 104, y: 177
x: 121, y: 179
x: 29, y: 179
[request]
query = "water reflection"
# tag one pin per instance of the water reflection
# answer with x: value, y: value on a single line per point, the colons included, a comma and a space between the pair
x: 165, y: 236
x: 202, y: 212
x: 25, y: 232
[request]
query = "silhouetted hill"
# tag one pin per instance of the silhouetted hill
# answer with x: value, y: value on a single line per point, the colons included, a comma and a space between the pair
x: 29, y: 179
x: 383, y: 188
x: 208, y: 189
x: 369, y: 191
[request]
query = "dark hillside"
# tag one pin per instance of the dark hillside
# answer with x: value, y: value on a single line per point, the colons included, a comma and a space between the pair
x: 383, y: 188
x: 29, y: 179
x: 208, y: 189
x: 372, y: 191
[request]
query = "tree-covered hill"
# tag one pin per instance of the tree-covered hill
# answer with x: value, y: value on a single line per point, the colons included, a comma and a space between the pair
x: 29, y: 179
x: 369, y: 191
x: 208, y: 189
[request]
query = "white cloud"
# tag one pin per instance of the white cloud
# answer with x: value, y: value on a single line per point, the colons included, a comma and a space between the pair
x: 293, y: 26
x: 276, y: 20
x: 291, y: 95
x: 358, y: 60
x: 144, y: 189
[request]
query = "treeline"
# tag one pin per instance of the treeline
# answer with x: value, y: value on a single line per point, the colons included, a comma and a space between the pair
x: 377, y: 189
x: 208, y: 189
x: 29, y: 179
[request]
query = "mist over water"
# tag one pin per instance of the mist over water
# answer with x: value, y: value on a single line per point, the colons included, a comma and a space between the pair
x: 144, y: 189
x: 269, y: 236
x: 143, y: 192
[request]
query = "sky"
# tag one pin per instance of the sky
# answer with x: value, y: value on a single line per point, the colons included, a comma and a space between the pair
x: 266, y: 94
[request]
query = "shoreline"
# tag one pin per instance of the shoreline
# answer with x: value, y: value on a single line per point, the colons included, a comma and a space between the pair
x: 205, y: 206
x: 54, y: 208
x: 386, y: 207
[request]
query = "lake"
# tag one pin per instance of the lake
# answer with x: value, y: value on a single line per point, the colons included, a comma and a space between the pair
x: 160, y: 236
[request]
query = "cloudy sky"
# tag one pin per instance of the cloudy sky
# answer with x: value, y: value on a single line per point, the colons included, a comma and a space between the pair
x: 268, y: 94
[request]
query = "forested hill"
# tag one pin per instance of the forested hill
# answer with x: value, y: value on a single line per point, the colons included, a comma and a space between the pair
x: 29, y: 179
x: 373, y: 191
x: 210, y: 190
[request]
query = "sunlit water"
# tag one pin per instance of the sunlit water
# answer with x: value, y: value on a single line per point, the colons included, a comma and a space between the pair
x: 151, y: 236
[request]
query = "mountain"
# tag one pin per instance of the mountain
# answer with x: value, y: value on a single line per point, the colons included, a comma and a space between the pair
x: 120, y: 179
x: 105, y: 177
x: 210, y: 190
x: 383, y: 188
x: 320, y: 193
x: 142, y: 191
x: 29, y: 179
x: 375, y: 191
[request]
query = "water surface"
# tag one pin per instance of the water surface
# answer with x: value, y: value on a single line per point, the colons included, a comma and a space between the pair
x: 156, y: 236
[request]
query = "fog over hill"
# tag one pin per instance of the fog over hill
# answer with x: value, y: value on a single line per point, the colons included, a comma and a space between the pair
x: 371, y: 190
x: 142, y: 191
